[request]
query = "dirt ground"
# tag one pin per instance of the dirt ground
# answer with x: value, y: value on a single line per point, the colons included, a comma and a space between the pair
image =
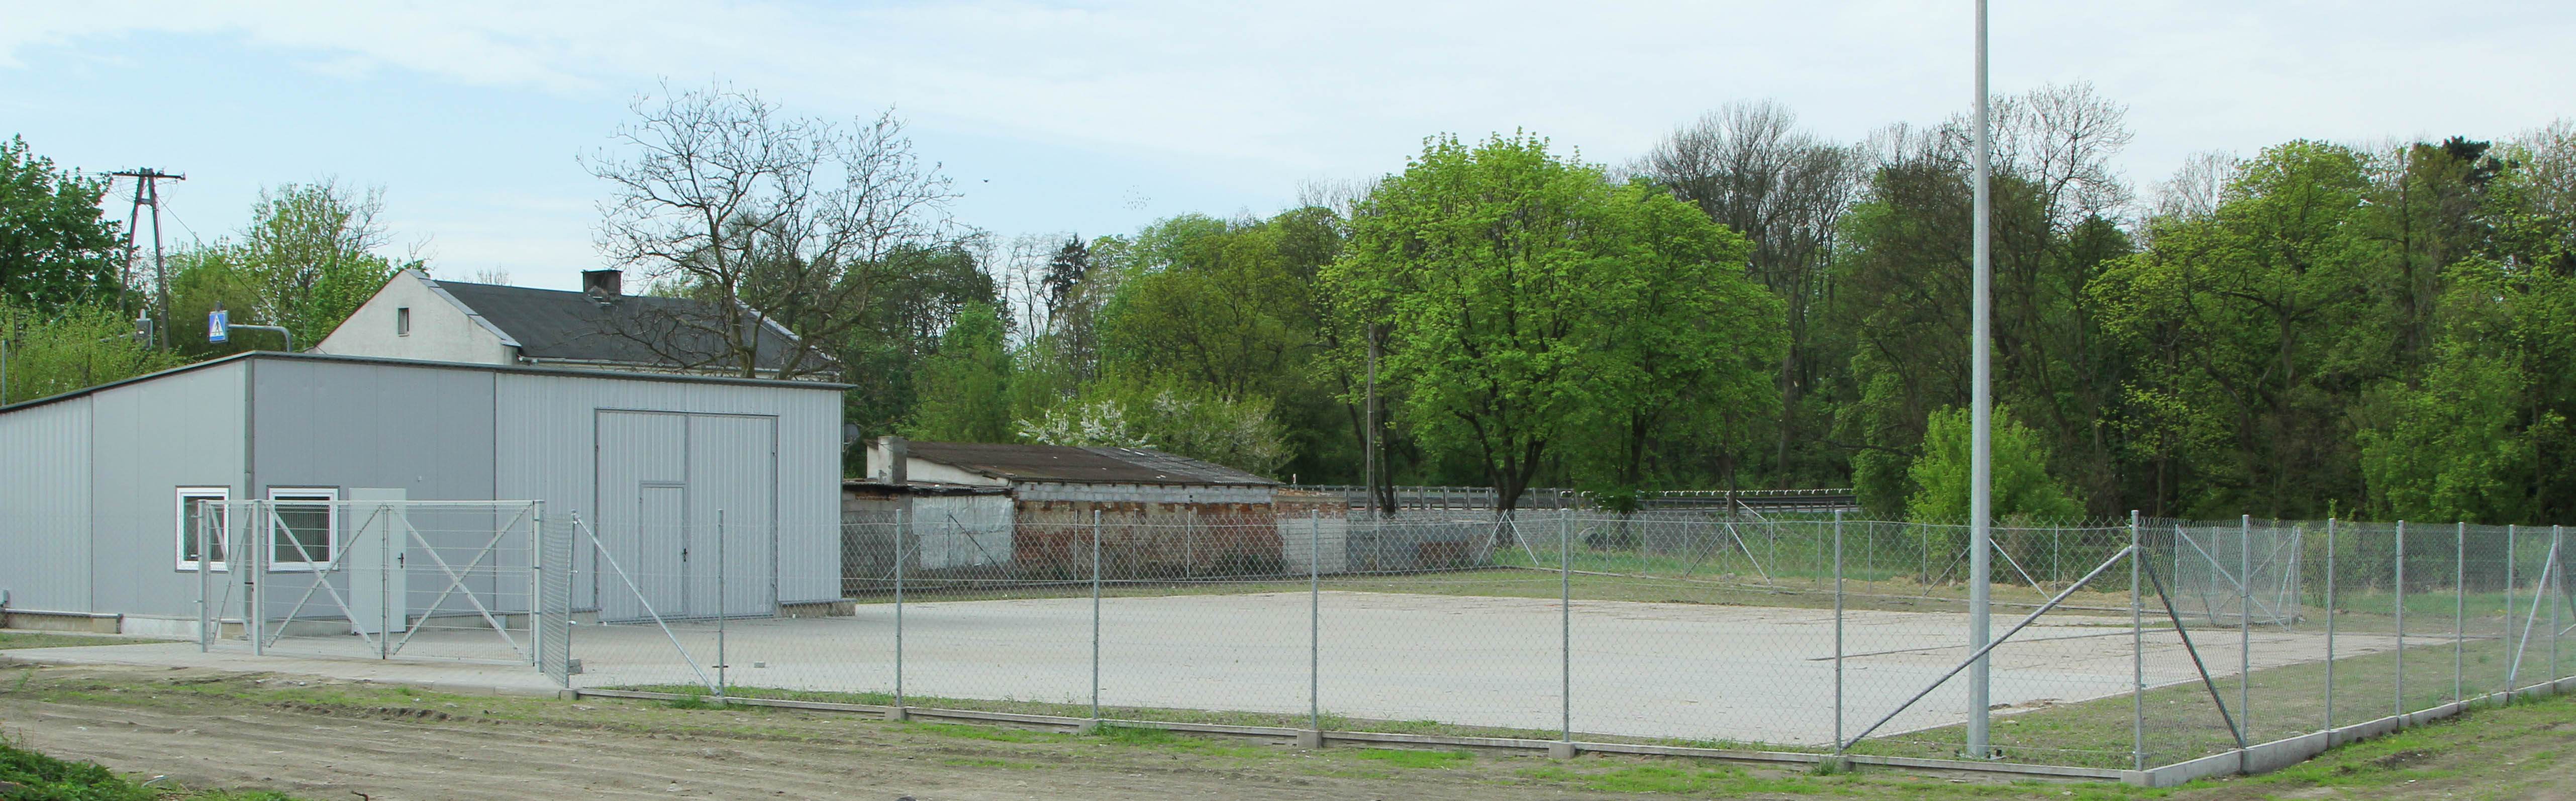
x: 324, y: 739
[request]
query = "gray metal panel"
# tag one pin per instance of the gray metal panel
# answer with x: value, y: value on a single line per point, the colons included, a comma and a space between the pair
x: 643, y: 513
x: 45, y: 507
x: 545, y: 449
x: 148, y: 439
x: 344, y: 424
x: 733, y: 466
x: 334, y: 424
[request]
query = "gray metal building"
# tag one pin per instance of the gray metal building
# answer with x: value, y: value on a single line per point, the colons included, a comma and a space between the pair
x: 92, y: 483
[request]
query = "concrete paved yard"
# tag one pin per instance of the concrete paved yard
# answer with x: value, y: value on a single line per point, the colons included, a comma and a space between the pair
x: 1702, y: 672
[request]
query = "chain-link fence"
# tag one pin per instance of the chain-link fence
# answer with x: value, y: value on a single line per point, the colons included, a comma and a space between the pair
x: 381, y: 579
x: 2114, y: 647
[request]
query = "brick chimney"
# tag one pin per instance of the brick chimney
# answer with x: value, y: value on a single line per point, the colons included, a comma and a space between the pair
x: 603, y: 285
x: 897, y: 453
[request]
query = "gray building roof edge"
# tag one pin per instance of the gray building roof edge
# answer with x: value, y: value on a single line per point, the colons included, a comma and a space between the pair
x: 573, y: 326
x: 1019, y: 463
x: 496, y: 368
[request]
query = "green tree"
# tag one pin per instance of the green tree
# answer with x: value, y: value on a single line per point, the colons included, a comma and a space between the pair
x: 309, y: 256
x: 64, y: 348
x: 1215, y: 303
x: 2471, y: 440
x: 964, y: 388
x: 56, y: 248
x: 1693, y: 349
x: 919, y: 294
x: 2253, y: 331
x: 2023, y: 492
x: 1502, y: 275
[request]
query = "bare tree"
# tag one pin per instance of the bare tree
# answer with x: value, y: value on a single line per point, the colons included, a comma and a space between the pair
x: 1750, y: 167
x: 2196, y: 187
x: 771, y: 223
x: 1019, y: 267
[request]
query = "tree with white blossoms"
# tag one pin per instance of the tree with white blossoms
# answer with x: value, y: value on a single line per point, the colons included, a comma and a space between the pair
x: 1169, y: 417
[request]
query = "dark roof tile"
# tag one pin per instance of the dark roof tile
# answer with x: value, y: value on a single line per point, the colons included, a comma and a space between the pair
x: 634, y: 329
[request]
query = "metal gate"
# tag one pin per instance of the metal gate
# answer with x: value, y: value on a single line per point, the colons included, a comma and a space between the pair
x: 374, y: 576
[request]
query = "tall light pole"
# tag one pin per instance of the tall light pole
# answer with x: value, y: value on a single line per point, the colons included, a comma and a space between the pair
x: 1981, y: 469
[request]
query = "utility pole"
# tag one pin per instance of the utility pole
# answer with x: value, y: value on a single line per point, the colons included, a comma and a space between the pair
x: 1369, y: 412
x: 147, y: 192
x: 1981, y: 449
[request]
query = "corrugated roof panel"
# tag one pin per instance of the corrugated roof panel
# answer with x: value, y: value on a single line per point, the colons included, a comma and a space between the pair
x: 1081, y: 465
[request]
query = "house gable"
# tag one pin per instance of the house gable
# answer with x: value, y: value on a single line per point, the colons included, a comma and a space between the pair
x: 440, y: 329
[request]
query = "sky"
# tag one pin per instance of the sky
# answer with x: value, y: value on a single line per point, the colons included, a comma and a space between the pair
x: 1100, y: 117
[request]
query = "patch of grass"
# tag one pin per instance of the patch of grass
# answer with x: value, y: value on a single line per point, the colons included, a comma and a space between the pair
x: 1670, y: 779
x: 1287, y: 720
x: 1154, y: 737
x: 693, y: 702
x: 43, y: 778
x: 984, y: 762
x: 1410, y: 758
x: 2182, y: 723
x: 1135, y: 735
x: 988, y: 733
x: 1351, y: 773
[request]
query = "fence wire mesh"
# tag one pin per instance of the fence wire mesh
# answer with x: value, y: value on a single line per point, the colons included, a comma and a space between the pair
x: 382, y: 579
x: 2122, y: 645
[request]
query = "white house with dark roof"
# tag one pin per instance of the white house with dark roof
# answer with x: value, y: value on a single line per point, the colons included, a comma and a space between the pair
x: 417, y: 317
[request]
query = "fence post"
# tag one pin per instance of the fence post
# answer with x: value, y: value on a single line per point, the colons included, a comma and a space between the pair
x: 1838, y: 631
x: 2245, y: 627
x: 2137, y: 657
x: 1565, y: 629
x: 2459, y: 606
x: 902, y: 528
x: 723, y: 685
x: 2330, y: 622
x: 1095, y: 615
x: 205, y: 579
x: 2399, y: 702
x: 774, y: 564
x: 2512, y: 538
x: 1315, y: 622
x: 537, y: 585
x: 384, y: 581
x: 254, y: 599
x: 2548, y: 571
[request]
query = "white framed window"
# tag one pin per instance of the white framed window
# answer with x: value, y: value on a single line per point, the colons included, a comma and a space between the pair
x: 303, y: 527
x: 402, y: 321
x: 194, y: 531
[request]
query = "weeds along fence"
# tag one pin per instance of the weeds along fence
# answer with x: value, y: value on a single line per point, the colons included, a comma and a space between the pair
x: 2120, y: 646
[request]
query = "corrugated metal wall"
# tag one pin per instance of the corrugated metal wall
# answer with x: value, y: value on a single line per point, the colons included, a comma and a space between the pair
x: 148, y: 439
x: 45, y: 506
x: 89, y: 504
x: 547, y: 448
x: 426, y: 431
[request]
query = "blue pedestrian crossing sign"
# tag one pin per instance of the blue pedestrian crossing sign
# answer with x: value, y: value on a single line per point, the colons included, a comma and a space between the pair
x: 216, y: 325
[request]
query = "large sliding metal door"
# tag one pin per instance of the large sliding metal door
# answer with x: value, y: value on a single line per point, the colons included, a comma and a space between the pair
x: 733, y: 487
x: 687, y: 507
